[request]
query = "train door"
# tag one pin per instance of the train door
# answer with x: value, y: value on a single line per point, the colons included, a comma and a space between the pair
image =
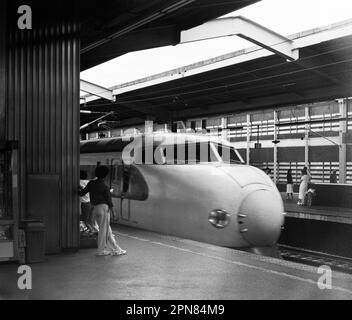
x: 128, y: 185
x: 119, y: 183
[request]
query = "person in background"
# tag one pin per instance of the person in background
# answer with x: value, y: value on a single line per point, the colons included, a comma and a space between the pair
x: 303, y: 187
x: 86, y: 207
x: 267, y: 170
x: 333, y: 177
x: 289, y: 185
x: 84, y: 203
x: 100, y: 198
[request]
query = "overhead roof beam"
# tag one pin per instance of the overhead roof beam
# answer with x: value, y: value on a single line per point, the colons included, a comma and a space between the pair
x: 143, y: 21
x: 243, y: 28
x: 272, y: 101
x: 96, y: 90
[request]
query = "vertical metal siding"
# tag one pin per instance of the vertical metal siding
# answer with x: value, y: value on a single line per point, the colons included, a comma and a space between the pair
x: 2, y: 68
x: 43, y: 113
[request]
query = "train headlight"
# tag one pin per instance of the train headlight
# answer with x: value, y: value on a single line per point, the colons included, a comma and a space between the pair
x: 219, y: 218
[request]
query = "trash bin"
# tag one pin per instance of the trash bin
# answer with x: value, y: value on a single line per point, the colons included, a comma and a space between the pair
x: 35, y: 241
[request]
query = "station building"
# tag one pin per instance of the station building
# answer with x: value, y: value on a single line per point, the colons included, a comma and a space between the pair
x: 43, y: 48
x: 283, y: 103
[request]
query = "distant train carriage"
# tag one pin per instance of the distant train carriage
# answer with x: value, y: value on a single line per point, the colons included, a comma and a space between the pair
x: 190, y: 186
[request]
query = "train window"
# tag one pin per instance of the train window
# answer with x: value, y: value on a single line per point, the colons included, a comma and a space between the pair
x: 189, y: 153
x: 228, y: 154
x: 134, y: 185
x: 90, y: 171
x: 129, y: 183
x: 199, y: 153
x: 117, y: 180
x: 125, y: 180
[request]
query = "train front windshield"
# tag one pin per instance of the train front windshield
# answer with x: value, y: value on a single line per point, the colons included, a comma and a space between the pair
x: 189, y: 153
x: 228, y: 154
x: 199, y: 152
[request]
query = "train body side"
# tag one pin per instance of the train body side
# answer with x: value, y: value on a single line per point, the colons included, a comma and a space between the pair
x: 176, y: 199
x: 180, y: 198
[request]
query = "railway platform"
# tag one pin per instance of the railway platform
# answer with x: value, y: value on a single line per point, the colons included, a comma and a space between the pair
x: 322, y: 213
x: 165, y: 267
x: 323, y: 229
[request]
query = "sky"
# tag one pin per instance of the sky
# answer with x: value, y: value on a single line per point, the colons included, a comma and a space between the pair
x: 282, y: 16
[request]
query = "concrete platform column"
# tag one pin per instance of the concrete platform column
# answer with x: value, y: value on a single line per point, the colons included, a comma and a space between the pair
x: 342, y: 143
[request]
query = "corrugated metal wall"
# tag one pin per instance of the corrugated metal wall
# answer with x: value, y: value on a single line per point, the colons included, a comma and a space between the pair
x: 43, y: 112
x: 2, y: 68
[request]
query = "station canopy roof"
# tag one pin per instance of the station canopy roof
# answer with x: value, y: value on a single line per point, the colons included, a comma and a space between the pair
x: 249, y: 79
x: 245, y: 80
x: 112, y: 28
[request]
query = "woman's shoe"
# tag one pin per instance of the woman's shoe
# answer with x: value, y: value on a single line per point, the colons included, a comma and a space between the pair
x: 104, y: 253
x: 119, y: 253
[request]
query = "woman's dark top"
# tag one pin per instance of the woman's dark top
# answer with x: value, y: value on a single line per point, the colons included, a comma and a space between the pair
x: 99, y: 193
x: 289, y: 178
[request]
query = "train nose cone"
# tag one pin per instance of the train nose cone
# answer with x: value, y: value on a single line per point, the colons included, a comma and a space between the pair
x: 261, y: 218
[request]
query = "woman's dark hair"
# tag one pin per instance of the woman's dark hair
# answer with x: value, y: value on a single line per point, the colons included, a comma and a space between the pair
x: 83, y: 175
x: 304, y: 170
x: 101, y: 172
x: 289, y: 171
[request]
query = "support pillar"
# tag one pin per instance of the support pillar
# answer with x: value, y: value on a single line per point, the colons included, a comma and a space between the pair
x: 306, y: 137
x: 224, y: 131
x: 42, y: 113
x: 149, y: 127
x: 275, y: 148
x: 248, y: 138
x: 342, y: 142
x: 2, y: 68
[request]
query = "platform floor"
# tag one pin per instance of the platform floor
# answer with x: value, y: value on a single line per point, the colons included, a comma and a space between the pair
x: 332, y: 214
x: 164, y: 267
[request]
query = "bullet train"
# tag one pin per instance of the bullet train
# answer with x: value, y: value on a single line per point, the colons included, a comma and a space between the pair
x: 190, y: 186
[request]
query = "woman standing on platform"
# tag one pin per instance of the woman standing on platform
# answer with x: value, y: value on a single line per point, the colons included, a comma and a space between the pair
x: 100, y: 198
x: 303, y: 187
x: 289, y: 186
